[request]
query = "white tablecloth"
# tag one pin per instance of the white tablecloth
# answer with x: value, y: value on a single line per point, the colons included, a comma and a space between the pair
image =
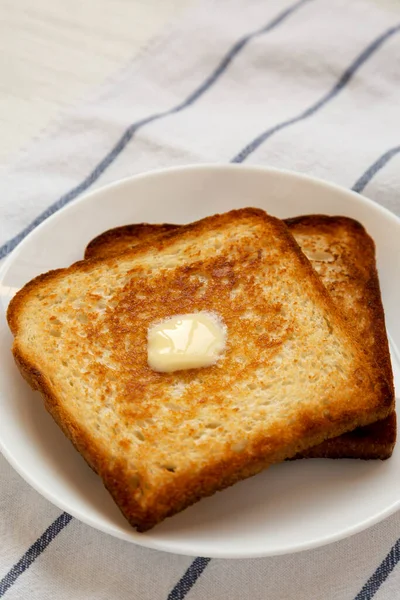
x: 311, y: 85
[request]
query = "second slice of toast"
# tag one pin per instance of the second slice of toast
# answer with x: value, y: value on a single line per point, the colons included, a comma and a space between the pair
x: 343, y: 254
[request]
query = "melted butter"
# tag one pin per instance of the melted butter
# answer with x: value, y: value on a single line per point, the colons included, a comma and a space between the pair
x: 188, y: 341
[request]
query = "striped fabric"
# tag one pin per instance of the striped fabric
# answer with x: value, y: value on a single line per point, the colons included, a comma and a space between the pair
x: 311, y: 85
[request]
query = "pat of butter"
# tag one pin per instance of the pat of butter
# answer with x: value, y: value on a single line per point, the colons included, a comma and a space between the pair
x: 186, y: 341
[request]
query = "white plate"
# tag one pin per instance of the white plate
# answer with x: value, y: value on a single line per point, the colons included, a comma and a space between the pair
x: 291, y: 507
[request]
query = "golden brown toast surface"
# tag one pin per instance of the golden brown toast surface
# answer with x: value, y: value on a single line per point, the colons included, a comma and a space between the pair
x: 343, y: 255
x: 291, y: 376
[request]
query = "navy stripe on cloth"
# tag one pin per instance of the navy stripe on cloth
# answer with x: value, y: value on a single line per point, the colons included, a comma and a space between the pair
x: 33, y: 552
x: 366, y: 177
x: 132, y: 129
x: 343, y: 81
x: 381, y: 574
x: 189, y: 578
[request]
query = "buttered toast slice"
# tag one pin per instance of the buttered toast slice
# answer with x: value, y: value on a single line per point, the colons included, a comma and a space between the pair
x: 290, y: 377
x: 343, y: 254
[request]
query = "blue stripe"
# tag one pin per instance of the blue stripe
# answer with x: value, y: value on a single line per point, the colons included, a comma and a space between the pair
x: 342, y: 82
x: 33, y: 552
x: 381, y: 574
x: 364, y: 180
x: 189, y: 578
x: 132, y: 129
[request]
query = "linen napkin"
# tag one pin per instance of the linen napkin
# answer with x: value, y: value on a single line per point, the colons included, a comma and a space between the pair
x: 311, y: 85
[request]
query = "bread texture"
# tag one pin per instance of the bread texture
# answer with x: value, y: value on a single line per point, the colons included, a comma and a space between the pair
x: 343, y: 255
x: 291, y: 376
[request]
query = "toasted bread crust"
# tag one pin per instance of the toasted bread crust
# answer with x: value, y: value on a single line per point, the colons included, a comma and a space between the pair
x: 377, y: 441
x: 147, y: 492
x: 81, y: 439
x: 372, y: 441
x: 115, y: 241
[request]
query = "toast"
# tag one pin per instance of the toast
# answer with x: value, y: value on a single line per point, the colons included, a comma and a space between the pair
x: 348, y: 271
x: 291, y: 376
